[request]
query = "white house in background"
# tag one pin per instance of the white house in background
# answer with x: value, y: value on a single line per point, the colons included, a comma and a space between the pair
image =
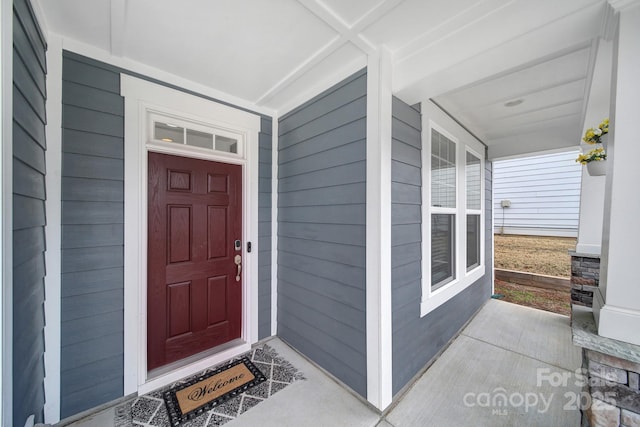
x: 537, y: 195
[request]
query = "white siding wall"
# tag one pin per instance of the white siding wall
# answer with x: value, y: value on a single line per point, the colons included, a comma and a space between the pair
x: 544, y: 192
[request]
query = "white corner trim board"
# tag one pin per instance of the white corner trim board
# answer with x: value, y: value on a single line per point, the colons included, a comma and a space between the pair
x: 378, y: 231
x: 143, y: 98
x: 6, y: 219
x: 53, y: 232
x: 274, y: 226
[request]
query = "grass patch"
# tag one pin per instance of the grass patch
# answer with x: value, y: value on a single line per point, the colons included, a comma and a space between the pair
x: 518, y: 296
x: 542, y: 299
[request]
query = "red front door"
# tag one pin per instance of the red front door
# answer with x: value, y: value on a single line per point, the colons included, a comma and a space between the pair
x: 194, y: 300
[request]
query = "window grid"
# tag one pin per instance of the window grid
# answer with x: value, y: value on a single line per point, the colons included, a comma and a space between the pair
x: 473, y: 188
x: 172, y: 130
x: 453, y: 190
x: 443, y: 210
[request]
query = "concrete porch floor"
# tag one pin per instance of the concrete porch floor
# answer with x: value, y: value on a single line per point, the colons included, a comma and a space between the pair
x: 511, y: 365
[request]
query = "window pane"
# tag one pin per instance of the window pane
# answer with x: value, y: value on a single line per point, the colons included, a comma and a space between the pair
x: 442, y: 249
x: 473, y: 241
x: 228, y: 145
x: 168, y: 133
x: 474, y: 175
x: 199, y: 139
x: 443, y: 171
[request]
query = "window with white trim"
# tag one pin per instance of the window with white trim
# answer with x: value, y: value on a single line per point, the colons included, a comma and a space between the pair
x: 473, y: 175
x: 201, y: 136
x: 443, y: 209
x: 452, y: 223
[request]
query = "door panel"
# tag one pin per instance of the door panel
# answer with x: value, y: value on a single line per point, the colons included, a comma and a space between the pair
x: 217, y: 232
x: 179, y: 239
x: 194, y: 302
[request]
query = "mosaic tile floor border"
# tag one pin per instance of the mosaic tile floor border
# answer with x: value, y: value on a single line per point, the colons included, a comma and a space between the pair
x: 150, y: 410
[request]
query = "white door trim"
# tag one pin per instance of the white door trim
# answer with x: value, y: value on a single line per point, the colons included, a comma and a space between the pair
x: 141, y: 97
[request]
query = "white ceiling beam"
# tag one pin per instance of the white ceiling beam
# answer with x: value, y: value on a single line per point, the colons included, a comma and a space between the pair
x: 458, y: 22
x: 345, y: 34
x: 371, y: 17
x: 326, y: 50
x: 419, y: 77
x: 375, y: 14
x: 332, y: 19
x: 118, y: 26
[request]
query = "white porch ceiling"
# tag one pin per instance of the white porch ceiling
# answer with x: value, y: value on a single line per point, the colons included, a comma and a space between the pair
x: 470, y: 56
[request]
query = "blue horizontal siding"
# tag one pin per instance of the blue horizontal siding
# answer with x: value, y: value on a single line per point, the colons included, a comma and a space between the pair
x: 264, y: 228
x: 92, y: 236
x: 29, y: 216
x: 321, y: 230
x: 416, y: 340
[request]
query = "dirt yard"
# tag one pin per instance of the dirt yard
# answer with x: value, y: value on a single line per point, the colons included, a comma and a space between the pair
x: 539, y: 255
x: 542, y: 299
x: 534, y: 254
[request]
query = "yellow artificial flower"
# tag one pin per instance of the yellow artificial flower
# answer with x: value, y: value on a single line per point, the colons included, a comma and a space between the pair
x: 589, y: 136
x: 594, y: 155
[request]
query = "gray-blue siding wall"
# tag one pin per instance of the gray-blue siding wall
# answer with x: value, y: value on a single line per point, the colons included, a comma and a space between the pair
x: 92, y: 233
x: 92, y: 329
x: 321, y: 230
x: 264, y: 228
x: 29, y: 219
x: 417, y: 340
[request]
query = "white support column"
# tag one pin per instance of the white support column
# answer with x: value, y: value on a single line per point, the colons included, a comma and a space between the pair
x: 617, y: 304
x: 591, y: 214
x: 592, y: 187
x: 378, y: 302
x: 6, y: 219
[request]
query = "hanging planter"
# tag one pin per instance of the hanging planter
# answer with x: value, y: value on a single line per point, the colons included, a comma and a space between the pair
x: 597, y: 168
x: 595, y: 159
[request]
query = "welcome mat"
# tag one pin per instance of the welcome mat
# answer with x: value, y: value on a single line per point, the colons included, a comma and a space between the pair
x: 150, y: 409
x: 187, y: 401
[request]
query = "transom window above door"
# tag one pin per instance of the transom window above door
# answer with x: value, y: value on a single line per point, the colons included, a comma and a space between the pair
x: 165, y: 129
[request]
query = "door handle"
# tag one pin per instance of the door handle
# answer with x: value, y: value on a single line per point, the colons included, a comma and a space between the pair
x: 238, y: 261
